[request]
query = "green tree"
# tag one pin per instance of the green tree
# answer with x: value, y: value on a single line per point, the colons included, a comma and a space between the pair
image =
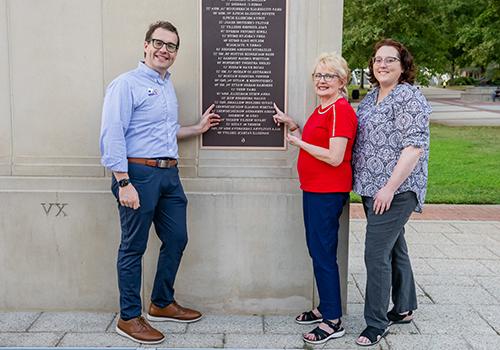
x: 456, y: 21
x: 480, y: 36
x: 408, y: 21
x: 441, y: 34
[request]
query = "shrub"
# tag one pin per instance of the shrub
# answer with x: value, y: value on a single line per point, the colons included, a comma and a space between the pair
x: 463, y: 81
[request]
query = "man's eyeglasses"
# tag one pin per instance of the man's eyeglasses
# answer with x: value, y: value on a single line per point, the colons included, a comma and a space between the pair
x: 387, y: 60
x: 326, y: 77
x: 158, y: 44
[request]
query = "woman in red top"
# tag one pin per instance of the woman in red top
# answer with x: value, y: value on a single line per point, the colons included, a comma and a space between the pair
x: 325, y: 174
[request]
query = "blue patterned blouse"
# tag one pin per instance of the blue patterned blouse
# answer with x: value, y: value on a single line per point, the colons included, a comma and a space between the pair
x: 400, y: 120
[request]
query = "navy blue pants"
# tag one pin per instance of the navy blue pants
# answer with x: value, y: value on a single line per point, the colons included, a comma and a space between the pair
x: 321, y: 218
x: 163, y: 203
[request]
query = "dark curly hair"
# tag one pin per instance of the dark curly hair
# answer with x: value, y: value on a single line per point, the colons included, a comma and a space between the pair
x: 405, y: 57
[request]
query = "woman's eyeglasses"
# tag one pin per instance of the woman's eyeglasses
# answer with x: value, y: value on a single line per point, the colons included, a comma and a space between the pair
x: 326, y: 77
x: 387, y: 60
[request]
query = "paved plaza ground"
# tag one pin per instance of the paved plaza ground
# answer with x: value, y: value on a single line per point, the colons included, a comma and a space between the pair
x: 457, y: 271
x: 449, y: 109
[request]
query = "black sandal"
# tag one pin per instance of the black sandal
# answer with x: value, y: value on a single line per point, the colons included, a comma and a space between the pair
x: 308, y: 317
x: 395, y: 318
x: 374, y: 335
x: 321, y: 336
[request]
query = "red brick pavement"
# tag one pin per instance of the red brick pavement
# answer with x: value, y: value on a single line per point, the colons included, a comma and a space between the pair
x: 445, y: 212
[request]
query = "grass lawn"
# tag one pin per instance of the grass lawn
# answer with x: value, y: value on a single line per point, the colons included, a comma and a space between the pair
x: 464, y: 165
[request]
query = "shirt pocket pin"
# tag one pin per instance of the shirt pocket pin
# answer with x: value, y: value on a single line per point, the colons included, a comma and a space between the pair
x: 152, y: 92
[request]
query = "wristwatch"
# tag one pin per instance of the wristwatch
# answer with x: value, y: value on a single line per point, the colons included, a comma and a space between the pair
x: 123, y: 182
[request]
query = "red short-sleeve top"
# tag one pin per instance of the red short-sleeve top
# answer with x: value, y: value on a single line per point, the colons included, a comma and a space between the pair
x: 339, y: 120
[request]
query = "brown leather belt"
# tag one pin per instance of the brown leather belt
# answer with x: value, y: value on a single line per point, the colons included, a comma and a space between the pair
x: 156, y: 163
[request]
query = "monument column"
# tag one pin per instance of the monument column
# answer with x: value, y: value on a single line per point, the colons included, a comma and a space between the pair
x: 246, y: 250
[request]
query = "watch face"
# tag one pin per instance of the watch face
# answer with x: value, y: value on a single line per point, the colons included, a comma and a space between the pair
x: 123, y: 182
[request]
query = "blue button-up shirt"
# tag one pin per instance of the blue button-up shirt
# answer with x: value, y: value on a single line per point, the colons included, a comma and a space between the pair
x: 139, y: 118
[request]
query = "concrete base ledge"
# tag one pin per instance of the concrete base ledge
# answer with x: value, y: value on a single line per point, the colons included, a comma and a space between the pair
x: 102, y: 184
x: 246, y: 251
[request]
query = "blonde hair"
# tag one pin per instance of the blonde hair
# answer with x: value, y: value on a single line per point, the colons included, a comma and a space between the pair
x: 333, y: 61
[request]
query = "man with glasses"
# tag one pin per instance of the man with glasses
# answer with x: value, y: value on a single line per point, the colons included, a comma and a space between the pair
x: 138, y: 143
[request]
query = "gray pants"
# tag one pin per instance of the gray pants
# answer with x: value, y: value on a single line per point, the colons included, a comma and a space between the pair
x: 387, y: 261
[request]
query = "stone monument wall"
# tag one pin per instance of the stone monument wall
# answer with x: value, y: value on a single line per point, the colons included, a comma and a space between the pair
x: 58, y: 220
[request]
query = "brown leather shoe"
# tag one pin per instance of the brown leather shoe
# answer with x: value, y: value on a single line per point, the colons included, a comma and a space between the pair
x: 172, y: 312
x: 139, y: 330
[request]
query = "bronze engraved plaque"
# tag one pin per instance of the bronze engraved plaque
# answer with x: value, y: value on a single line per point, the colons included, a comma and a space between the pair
x: 244, y: 71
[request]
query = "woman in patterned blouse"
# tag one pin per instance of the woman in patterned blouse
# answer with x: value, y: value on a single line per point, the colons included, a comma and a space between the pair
x: 390, y: 160
x: 325, y: 175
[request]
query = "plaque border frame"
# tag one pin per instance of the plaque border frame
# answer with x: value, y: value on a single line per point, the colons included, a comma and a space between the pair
x: 284, y: 147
